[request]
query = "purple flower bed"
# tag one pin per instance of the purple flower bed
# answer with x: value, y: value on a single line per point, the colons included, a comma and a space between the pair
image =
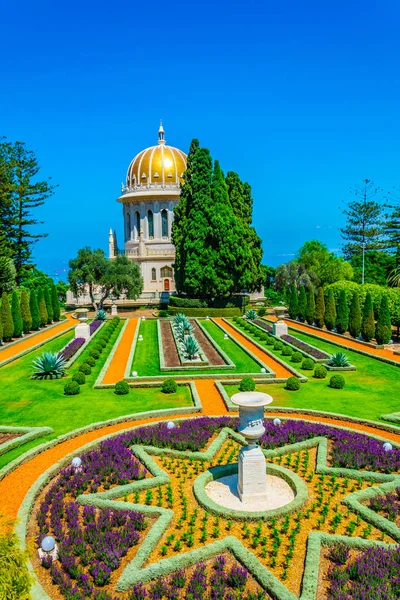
x: 388, y: 504
x: 374, y: 575
x: 94, y: 325
x: 263, y: 325
x: 305, y: 347
x: 72, y: 348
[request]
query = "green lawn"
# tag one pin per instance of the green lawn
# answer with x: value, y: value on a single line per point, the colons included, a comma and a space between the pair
x: 27, y: 402
x: 372, y: 390
x: 146, y: 359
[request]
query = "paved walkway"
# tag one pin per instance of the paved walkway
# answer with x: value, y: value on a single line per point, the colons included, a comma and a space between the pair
x: 29, y: 342
x: 344, y: 341
x: 211, y: 399
x: 280, y: 370
x: 116, y: 369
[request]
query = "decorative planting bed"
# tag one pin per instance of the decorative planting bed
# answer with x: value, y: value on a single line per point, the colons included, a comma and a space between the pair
x: 130, y: 525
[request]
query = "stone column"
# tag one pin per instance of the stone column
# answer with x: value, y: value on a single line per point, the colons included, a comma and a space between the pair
x: 280, y: 328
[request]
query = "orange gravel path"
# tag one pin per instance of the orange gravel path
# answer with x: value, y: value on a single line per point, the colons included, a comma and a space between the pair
x: 210, y: 397
x: 26, y: 343
x: 116, y: 369
x: 327, y: 335
x: 266, y: 358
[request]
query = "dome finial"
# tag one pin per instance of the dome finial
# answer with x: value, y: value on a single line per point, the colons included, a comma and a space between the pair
x: 161, y: 138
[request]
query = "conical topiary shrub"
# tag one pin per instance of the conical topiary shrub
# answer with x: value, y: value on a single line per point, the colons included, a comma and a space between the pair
x: 16, y: 314
x: 34, y: 308
x: 43, y: 316
x: 330, y: 311
x: 342, y: 317
x: 368, y: 320
x: 320, y: 308
x: 25, y: 312
x: 55, y: 303
x: 383, y: 331
x: 293, y: 303
x: 49, y: 306
x: 6, y: 318
x: 301, y: 313
x: 310, y: 310
x: 355, y: 316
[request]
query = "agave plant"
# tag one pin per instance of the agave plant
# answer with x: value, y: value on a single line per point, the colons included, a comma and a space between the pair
x: 179, y: 318
x: 49, y: 365
x: 101, y: 315
x: 339, y: 359
x: 191, y: 346
x: 251, y: 314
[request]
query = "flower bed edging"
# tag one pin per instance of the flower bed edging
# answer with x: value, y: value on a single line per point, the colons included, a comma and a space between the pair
x: 393, y: 417
x: 29, y: 433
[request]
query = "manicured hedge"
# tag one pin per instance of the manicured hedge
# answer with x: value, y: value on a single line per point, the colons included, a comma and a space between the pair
x: 205, y: 312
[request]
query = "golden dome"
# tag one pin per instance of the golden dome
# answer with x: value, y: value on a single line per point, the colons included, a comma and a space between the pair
x: 158, y: 165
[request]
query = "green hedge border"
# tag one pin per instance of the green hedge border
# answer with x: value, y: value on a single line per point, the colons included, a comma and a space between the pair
x: 205, y: 312
x: 83, y: 347
x: 28, y: 434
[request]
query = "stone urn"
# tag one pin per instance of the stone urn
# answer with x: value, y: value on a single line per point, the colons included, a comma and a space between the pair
x: 252, y: 478
x: 280, y: 328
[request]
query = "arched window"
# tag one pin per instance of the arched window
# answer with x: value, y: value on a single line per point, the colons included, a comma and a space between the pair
x: 150, y: 220
x: 164, y: 223
x: 153, y: 274
x: 166, y: 272
x: 137, y: 223
x: 128, y: 226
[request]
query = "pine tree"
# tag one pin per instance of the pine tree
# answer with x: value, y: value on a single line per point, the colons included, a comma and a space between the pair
x: 355, y: 316
x: 342, y: 319
x: 302, y: 311
x: 16, y: 314
x: 6, y: 318
x: 383, y: 331
x: 34, y: 308
x: 55, y: 303
x: 368, y: 320
x: 330, y: 311
x: 25, y: 312
x: 310, y: 312
x: 293, y: 303
x: 179, y: 225
x: 320, y: 308
x: 43, y: 316
x: 49, y: 306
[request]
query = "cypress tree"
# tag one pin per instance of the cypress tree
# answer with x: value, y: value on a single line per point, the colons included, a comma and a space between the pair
x: 34, y: 308
x: 330, y: 311
x: 293, y: 303
x: 383, y: 332
x: 43, y: 316
x: 6, y: 318
x: 25, y: 312
x: 49, y: 306
x: 355, y: 316
x: 342, y: 320
x: 368, y: 320
x: 310, y: 311
x: 320, y: 308
x: 1, y: 333
x: 16, y: 314
x: 55, y: 303
x: 302, y: 311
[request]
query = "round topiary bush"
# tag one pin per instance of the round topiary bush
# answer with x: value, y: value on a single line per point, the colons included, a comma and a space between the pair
x: 79, y: 377
x: 71, y: 388
x: 163, y: 313
x: 95, y: 354
x: 247, y: 385
x: 278, y: 345
x: 98, y: 348
x: 320, y: 372
x: 287, y: 351
x: 121, y: 388
x: 307, y: 364
x: 102, y: 343
x: 261, y: 311
x: 116, y: 320
x: 90, y: 361
x: 337, y: 382
x: 297, y: 357
x: 169, y: 386
x: 270, y: 341
x: 85, y: 369
x: 292, y: 384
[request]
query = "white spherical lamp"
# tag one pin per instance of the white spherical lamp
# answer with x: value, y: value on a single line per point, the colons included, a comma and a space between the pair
x: 170, y: 425
x: 76, y: 462
x: 387, y: 446
x: 277, y: 422
x: 134, y: 374
x: 48, y: 543
x: 263, y: 370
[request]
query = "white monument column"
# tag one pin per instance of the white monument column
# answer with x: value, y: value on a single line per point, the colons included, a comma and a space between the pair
x: 279, y: 327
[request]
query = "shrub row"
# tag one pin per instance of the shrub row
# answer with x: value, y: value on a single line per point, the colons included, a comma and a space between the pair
x: 205, y: 312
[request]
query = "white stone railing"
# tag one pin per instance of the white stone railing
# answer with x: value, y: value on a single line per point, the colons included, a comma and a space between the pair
x: 128, y: 189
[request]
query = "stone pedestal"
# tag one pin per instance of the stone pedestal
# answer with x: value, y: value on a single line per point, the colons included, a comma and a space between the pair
x: 280, y: 328
x: 114, y: 310
x: 82, y: 331
x: 252, y: 480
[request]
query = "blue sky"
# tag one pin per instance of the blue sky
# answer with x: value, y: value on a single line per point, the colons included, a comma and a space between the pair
x: 300, y: 98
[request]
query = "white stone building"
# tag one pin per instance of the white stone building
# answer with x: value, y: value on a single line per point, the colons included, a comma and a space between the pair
x: 148, y: 198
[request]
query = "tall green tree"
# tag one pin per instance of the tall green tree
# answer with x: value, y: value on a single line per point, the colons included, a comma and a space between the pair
x: 55, y: 302
x: 342, y: 319
x: 179, y: 225
x: 368, y: 320
x: 392, y: 223
x: 7, y: 269
x: 34, y: 308
x: 6, y: 318
x: 320, y: 308
x: 302, y: 311
x: 330, y: 311
x: 43, y: 316
x: 383, y: 331
x: 355, y: 316
x: 310, y: 312
x: 25, y: 312
x: 16, y: 315
x: 49, y: 306
x: 293, y: 303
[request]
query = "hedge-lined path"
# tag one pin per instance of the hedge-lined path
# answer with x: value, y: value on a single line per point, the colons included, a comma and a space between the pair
x: 25, y: 344
x: 210, y: 397
x: 338, y: 339
x: 116, y: 369
x: 278, y: 369
x: 15, y: 486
